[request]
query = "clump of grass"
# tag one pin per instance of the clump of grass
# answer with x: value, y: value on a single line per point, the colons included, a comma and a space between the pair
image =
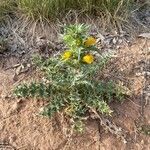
x: 69, y: 82
x: 52, y: 9
x: 110, y: 11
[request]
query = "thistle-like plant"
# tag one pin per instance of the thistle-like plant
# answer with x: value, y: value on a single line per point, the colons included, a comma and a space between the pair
x: 70, y: 83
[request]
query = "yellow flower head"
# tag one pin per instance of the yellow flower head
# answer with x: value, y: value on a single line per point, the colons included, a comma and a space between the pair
x: 88, y: 58
x: 90, y: 41
x: 66, y: 55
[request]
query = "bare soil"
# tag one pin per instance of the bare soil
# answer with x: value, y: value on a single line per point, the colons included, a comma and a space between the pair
x: 21, y: 126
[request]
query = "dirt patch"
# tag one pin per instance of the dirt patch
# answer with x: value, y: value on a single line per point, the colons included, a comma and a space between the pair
x: 21, y: 127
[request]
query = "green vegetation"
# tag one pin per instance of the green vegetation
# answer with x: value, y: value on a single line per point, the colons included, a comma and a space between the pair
x: 145, y: 129
x: 70, y: 80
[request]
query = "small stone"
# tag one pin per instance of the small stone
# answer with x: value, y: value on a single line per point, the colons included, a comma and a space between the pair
x: 114, y: 41
x: 142, y: 141
x: 125, y: 141
x: 28, y: 65
x: 117, y: 47
x: 18, y: 70
x: 41, y: 110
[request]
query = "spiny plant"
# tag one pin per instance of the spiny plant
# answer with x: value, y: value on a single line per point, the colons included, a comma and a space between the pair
x: 70, y: 83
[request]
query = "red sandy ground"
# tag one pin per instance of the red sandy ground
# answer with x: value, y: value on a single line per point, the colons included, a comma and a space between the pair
x: 22, y: 128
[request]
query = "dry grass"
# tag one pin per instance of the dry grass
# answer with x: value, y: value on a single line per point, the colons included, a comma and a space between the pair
x: 46, y: 16
x: 50, y: 10
x: 6, y: 7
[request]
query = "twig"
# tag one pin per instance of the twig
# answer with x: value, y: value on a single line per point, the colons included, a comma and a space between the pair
x: 111, y: 127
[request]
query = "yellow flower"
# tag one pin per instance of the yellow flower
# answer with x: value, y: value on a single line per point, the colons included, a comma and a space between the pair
x: 88, y: 58
x: 90, y: 41
x: 66, y: 55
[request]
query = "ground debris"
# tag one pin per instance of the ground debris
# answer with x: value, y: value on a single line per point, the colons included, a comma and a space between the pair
x: 108, y: 125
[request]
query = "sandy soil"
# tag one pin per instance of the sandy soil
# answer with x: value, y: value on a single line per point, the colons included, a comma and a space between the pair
x: 21, y: 127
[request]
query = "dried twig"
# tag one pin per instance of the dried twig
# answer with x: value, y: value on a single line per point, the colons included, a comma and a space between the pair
x: 108, y: 125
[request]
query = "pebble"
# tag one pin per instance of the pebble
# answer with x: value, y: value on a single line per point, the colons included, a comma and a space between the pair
x: 41, y: 109
x: 114, y: 41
